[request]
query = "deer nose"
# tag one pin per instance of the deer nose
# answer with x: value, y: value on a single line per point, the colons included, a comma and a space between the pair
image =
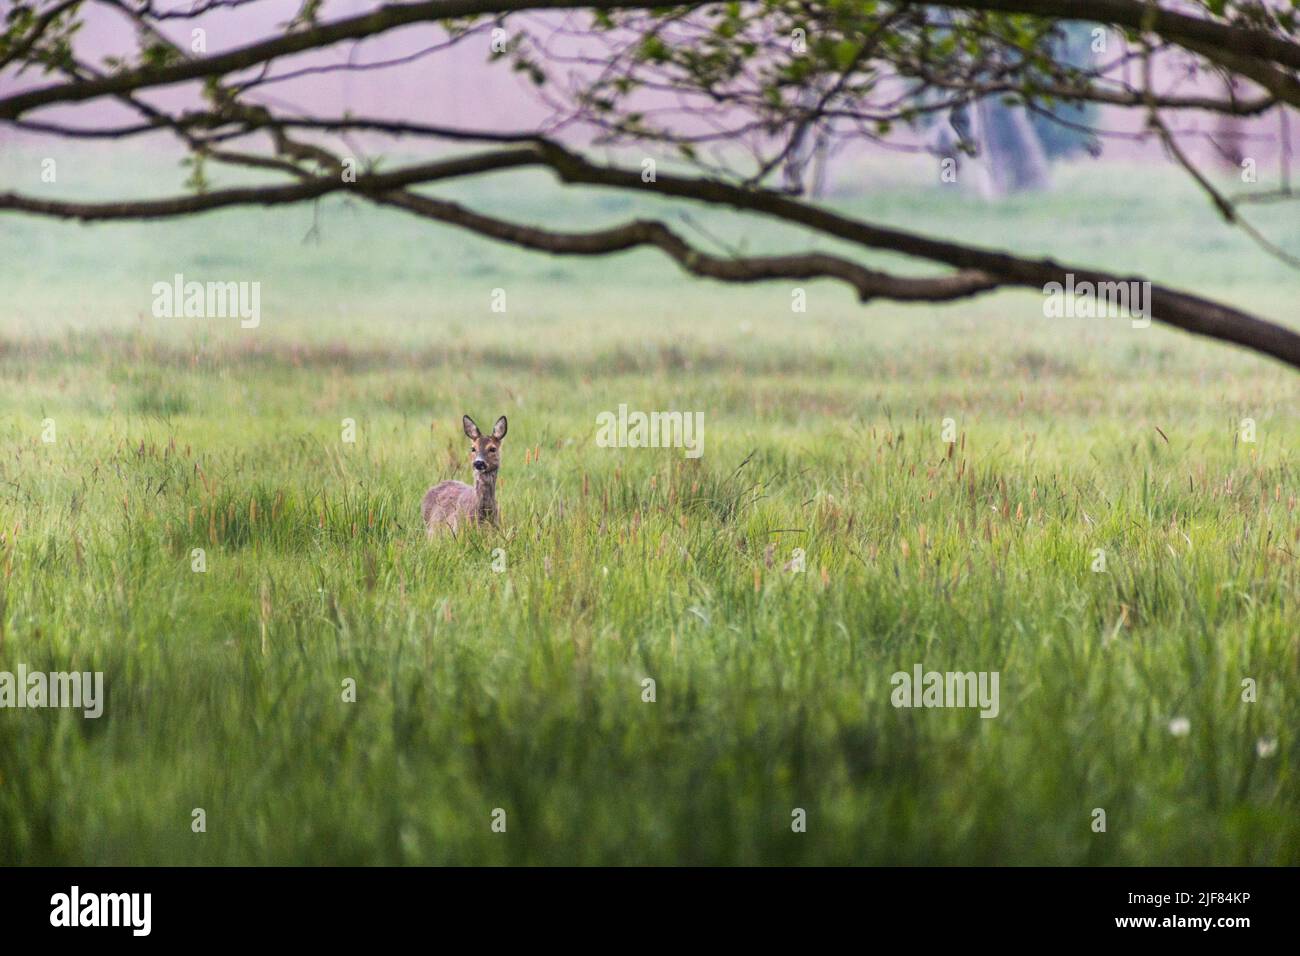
x: 480, y: 464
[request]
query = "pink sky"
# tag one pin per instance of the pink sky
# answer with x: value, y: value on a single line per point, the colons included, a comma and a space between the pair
x: 456, y: 86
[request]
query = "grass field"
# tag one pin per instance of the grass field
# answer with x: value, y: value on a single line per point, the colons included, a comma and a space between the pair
x: 522, y: 689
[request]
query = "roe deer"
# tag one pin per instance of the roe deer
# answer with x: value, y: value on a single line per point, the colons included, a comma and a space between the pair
x: 448, y: 503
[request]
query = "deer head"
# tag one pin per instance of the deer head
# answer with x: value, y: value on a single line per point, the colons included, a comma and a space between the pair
x: 485, y: 449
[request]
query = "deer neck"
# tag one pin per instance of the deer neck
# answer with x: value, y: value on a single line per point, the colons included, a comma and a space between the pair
x: 485, y: 496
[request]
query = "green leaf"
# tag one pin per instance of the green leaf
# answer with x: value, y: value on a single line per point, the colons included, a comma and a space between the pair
x: 846, y: 51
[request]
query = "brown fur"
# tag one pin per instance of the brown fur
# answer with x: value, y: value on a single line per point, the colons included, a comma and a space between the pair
x: 450, y: 503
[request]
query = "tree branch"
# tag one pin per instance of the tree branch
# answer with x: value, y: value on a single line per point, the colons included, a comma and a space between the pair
x: 868, y: 283
x: 1224, y: 43
x: 1181, y: 310
x: 190, y: 204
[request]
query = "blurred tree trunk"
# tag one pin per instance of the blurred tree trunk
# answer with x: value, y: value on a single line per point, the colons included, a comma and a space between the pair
x: 1010, y: 149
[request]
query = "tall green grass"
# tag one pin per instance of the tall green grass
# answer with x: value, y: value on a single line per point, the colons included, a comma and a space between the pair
x: 524, y: 689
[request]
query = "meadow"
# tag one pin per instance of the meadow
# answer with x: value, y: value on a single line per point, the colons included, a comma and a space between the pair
x: 506, y: 669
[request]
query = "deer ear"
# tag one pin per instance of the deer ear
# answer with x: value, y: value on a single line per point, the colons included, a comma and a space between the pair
x: 470, y: 428
x: 499, y: 429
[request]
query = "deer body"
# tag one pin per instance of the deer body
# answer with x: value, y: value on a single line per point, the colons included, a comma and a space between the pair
x: 448, y: 504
